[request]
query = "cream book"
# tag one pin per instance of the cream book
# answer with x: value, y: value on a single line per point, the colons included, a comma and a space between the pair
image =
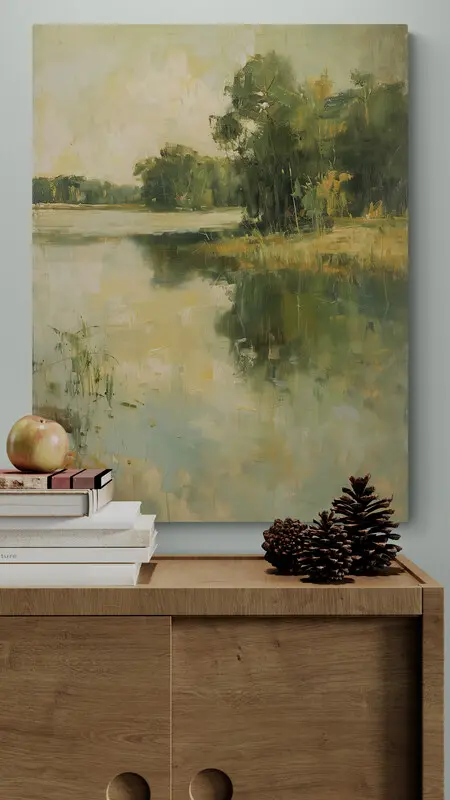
x: 54, y: 502
x: 141, y: 534
x: 68, y: 575
x: 76, y: 555
x: 116, y: 515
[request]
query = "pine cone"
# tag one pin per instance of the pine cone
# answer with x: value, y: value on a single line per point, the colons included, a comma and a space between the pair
x: 327, y: 555
x: 283, y: 544
x: 367, y: 521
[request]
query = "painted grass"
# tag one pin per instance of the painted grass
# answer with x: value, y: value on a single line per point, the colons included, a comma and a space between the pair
x: 380, y: 244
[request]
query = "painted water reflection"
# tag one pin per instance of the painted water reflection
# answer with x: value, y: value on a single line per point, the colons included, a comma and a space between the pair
x: 220, y: 386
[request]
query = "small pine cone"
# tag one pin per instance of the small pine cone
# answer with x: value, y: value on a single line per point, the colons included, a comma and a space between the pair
x: 367, y: 520
x: 327, y: 556
x: 283, y: 545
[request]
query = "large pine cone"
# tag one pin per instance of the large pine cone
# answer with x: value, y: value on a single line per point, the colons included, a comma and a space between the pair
x: 367, y: 521
x: 327, y: 555
x: 283, y: 545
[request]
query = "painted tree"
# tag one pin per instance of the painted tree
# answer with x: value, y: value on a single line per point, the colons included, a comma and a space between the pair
x: 295, y: 146
x: 371, y: 143
x: 43, y: 190
x: 261, y: 132
x: 181, y: 177
x: 67, y: 188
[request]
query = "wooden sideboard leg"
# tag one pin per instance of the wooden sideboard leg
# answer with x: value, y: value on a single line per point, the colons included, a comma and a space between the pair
x: 433, y: 693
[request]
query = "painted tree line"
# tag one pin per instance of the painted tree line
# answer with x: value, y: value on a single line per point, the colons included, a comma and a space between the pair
x: 297, y: 155
x: 76, y: 189
x: 181, y: 178
x: 293, y: 155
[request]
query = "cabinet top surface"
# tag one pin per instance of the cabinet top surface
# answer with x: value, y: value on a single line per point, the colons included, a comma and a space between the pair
x: 227, y: 586
x: 254, y: 573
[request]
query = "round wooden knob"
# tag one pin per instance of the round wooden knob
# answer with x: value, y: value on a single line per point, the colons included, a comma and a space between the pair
x: 211, y: 784
x: 128, y: 786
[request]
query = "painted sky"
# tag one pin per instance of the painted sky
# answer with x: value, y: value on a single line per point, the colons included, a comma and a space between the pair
x: 106, y: 96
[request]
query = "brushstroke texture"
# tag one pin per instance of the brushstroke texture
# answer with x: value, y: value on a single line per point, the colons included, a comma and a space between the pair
x: 220, y: 260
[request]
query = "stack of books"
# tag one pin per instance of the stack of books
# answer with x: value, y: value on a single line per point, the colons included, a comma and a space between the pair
x: 64, y: 529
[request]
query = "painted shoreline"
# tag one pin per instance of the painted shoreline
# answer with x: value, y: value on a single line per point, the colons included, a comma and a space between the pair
x: 128, y: 207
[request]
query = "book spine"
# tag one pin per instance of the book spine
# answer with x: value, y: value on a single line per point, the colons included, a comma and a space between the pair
x: 91, y: 479
x: 76, y: 555
x: 64, y: 479
x: 98, y: 498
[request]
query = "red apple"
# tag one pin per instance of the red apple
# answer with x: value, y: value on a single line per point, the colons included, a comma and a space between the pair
x: 38, y: 445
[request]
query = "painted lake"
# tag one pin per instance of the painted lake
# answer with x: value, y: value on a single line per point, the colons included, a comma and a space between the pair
x: 223, y: 378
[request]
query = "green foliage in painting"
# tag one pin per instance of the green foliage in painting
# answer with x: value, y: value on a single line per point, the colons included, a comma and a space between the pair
x: 91, y: 368
x: 180, y: 178
x: 263, y: 132
x: 78, y: 190
x: 220, y: 250
x: 43, y: 190
x: 295, y: 156
x: 295, y: 146
x: 371, y: 143
x: 89, y: 374
x: 97, y: 192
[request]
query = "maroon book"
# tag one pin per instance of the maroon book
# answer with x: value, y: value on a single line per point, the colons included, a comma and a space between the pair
x: 92, y: 479
x: 64, y: 479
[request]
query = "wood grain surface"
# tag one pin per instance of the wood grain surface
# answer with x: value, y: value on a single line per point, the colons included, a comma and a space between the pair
x: 433, y: 693
x: 293, y: 690
x: 306, y: 708
x: 416, y: 572
x: 224, y: 587
x: 83, y: 700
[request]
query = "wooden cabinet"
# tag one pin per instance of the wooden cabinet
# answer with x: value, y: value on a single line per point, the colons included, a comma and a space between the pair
x: 82, y: 700
x: 214, y: 679
x: 292, y: 708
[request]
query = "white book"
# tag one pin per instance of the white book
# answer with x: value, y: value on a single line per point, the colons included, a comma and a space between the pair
x: 76, y: 555
x: 117, y: 515
x: 68, y: 575
x: 54, y: 502
x: 142, y: 535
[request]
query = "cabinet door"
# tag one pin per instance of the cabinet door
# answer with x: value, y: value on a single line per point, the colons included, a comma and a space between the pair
x: 84, y: 699
x: 296, y: 709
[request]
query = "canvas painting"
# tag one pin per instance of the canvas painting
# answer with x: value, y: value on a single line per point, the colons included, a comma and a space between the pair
x: 220, y: 266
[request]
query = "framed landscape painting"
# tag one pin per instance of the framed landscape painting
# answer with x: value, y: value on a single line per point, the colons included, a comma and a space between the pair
x: 220, y: 265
